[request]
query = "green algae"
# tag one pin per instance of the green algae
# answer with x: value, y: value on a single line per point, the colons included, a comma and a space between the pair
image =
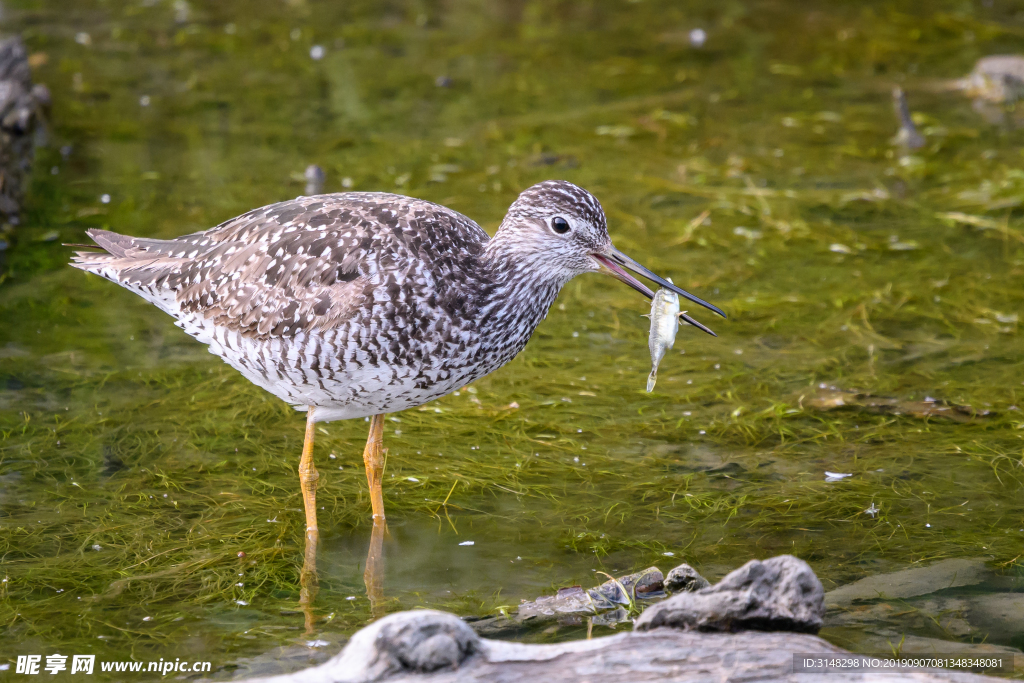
x: 143, y: 478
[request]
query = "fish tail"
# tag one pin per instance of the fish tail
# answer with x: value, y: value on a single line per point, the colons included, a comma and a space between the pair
x: 651, y: 379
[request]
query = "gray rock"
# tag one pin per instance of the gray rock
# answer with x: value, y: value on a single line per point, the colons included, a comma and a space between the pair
x: 21, y: 109
x: 992, y: 617
x: 996, y: 78
x: 780, y: 594
x: 685, y: 578
x: 948, y: 613
x: 909, y: 583
x: 601, y: 604
x: 609, y: 595
x: 420, y: 641
x: 1000, y: 615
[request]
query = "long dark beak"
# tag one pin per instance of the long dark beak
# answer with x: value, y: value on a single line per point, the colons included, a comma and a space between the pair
x: 614, y: 260
x: 616, y: 263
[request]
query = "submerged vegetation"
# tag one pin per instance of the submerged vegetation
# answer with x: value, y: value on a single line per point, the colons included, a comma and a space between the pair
x: 149, y: 504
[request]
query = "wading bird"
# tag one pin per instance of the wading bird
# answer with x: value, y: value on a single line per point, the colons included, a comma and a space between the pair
x: 359, y: 304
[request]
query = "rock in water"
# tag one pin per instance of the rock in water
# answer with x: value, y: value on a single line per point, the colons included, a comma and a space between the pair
x: 1000, y: 615
x: 780, y: 594
x: 909, y: 583
x: 685, y: 578
x: 21, y: 108
x: 575, y: 600
x: 996, y: 78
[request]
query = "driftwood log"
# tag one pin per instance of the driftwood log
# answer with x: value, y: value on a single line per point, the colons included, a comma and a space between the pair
x: 21, y: 114
x: 712, y: 633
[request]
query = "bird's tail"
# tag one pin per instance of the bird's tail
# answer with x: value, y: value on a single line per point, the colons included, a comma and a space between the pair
x: 138, y: 264
x: 126, y: 260
x: 651, y: 379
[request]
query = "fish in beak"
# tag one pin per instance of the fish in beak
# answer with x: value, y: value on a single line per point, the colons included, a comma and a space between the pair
x: 617, y: 263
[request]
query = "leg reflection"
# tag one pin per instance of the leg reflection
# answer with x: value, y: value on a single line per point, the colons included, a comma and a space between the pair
x: 309, y: 583
x: 373, y: 575
x: 373, y: 458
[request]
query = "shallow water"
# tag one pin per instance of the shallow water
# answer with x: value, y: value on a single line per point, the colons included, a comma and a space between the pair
x: 135, y: 467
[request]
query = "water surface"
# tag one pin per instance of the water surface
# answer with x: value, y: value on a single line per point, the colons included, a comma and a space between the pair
x: 149, y: 504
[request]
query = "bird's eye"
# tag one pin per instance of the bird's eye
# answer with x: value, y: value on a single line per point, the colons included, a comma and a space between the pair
x: 560, y: 225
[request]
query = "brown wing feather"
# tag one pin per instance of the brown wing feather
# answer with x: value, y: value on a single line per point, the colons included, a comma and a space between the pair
x: 297, y: 265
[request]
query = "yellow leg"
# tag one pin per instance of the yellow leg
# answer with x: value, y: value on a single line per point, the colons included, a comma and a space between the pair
x: 308, y: 477
x: 373, y: 459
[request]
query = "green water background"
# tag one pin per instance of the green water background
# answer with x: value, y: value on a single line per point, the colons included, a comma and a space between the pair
x: 135, y: 467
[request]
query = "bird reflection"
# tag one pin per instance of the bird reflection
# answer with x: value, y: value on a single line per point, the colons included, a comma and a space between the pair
x: 373, y: 574
x: 309, y: 582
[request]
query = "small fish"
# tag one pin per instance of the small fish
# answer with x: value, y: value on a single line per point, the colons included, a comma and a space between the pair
x: 664, y: 317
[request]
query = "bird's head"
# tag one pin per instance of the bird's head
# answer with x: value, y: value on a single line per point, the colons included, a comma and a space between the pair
x: 561, y: 230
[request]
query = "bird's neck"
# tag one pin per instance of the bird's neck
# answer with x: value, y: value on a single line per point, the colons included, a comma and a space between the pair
x: 521, y: 286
